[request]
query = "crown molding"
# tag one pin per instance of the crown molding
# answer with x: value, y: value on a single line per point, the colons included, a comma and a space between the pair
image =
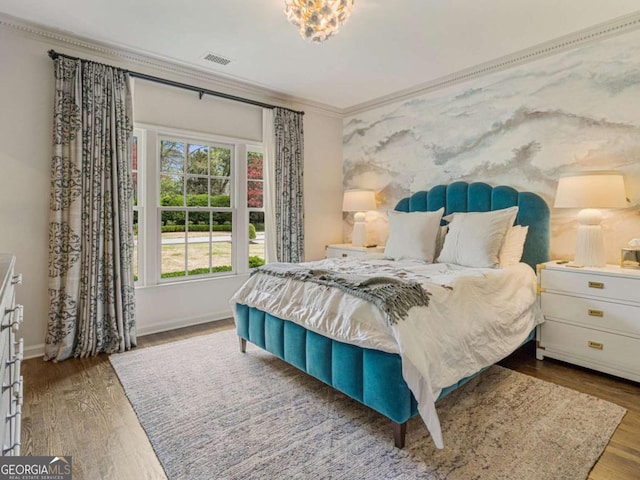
x: 570, y: 41
x: 157, y: 65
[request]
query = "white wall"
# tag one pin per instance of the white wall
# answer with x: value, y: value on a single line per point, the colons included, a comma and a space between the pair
x: 26, y: 105
x: 322, y: 183
x: 26, y: 108
x: 167, y: 106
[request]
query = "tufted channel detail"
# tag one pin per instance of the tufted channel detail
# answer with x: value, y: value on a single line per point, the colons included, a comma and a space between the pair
x: 370, y: 376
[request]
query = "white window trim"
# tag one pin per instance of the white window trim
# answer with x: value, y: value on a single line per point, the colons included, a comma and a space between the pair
x: 140, y: 135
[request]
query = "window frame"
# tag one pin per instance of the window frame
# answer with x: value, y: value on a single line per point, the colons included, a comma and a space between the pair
x: 187, y: 209
x: 150, y: 252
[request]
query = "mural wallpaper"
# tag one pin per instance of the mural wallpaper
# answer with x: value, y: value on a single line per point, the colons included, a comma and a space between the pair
x: 526, y: 126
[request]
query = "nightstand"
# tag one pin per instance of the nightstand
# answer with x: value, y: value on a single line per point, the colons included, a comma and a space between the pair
x: 347, y: 250
x: 592, y: 317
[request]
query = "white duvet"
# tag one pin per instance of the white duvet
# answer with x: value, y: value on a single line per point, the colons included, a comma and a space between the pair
x: 475, y: 317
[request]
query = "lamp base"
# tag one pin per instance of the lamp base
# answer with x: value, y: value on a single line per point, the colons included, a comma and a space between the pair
x: 590, y: 239
x: 359, y: 237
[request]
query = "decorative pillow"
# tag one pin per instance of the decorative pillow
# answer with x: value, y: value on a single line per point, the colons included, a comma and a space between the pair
x: 513, y: 246
x: 413, y: 235
x: 475, y: 238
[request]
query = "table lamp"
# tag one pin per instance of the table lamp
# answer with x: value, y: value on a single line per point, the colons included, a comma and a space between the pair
x: 359, y: 201
x: 591, y: 191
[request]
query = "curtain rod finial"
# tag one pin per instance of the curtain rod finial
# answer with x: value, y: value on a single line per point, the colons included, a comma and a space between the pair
x: 53, y: 54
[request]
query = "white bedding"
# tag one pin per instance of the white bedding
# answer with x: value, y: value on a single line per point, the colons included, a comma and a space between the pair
x: 476, y: 316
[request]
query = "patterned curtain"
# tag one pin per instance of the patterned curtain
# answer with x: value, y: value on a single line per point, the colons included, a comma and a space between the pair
x: 91, y: 294
x: 289, y: 205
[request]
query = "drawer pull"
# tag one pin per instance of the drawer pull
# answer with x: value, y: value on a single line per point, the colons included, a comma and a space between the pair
x: 599, y: 285
x: 15, y: 386
x: 15, y: 414
x: 596, y: 313
x: 17, y: 356
x: 16, y: 318
x: 16, y: 279
x: 596, y: 345
x: 14, y: 448
x: 345, y: 255
x: 15, y: 371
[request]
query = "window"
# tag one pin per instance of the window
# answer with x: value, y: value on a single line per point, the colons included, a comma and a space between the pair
x: 196, y: 214
x: 207, y: 194
x: 255, y: 205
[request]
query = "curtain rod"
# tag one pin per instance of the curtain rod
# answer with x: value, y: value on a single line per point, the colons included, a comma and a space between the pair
x: 201, y: 91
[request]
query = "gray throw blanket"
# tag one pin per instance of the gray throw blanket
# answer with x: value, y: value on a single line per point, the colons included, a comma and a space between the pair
x: 393, y: 296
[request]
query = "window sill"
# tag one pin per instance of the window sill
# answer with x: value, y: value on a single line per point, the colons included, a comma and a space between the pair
x: 212, y: 278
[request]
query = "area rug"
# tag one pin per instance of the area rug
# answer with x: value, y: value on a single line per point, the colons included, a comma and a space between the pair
x: 212, y: 412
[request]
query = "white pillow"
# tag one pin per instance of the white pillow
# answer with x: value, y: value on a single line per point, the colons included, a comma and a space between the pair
x: 413, y: 235
x: 475, y: 238
x: 513, y: 246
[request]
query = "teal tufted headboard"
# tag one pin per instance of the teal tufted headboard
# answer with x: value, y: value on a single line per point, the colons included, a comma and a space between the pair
x: 480, y: 197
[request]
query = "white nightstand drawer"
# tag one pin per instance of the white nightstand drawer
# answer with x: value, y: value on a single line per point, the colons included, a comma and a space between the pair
x: 344, y: 250
x: 595, y: 348
x: 592, y: 312
x: 592, y: 284
x: 333, y: 252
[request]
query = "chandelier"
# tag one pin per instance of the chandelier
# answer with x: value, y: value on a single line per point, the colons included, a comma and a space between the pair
x: 317, y: 20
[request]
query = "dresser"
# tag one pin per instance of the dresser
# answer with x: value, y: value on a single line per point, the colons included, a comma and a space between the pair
x: 347, y: 250
x: 592, y: 317
x: 11, y: 358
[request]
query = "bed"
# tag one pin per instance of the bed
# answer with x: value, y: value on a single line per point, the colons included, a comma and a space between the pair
x: 373, y: 373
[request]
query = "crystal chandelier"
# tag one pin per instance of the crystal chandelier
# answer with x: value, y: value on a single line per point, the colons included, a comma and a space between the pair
x: 317, y: 20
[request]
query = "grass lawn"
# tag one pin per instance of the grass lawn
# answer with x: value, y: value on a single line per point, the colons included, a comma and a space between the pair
x: 173, y: 255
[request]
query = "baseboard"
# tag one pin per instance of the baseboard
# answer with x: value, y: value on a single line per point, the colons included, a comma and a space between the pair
x: 183, y: 322
x: 35, y: 351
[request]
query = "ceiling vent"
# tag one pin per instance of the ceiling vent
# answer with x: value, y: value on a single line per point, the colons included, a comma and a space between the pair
x: 214, y: 58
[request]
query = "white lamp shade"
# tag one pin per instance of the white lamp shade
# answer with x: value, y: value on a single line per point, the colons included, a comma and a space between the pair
x: 358, y: 201
x: 591, y: 190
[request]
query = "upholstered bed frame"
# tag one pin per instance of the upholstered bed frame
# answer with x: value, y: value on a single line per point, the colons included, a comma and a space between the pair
x: 372, y: 377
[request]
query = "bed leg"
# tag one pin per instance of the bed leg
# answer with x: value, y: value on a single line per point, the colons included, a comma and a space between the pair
x: 399, y: 432
x: 243, y: 345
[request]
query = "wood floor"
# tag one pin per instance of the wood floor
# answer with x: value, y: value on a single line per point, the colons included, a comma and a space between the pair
x: 79, y: 408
